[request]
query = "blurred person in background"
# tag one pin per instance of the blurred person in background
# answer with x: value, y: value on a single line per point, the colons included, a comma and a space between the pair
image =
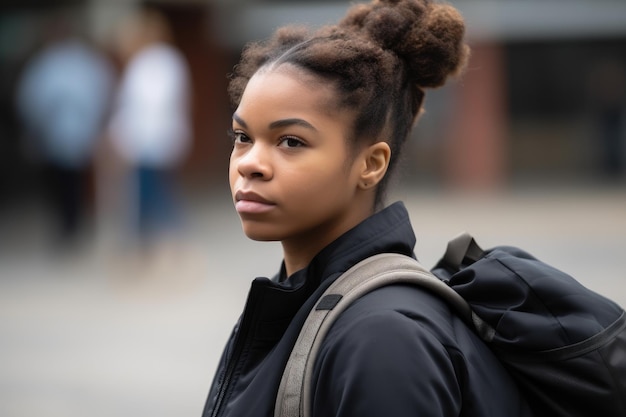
x: 63, y: 98
x: 150, y: 128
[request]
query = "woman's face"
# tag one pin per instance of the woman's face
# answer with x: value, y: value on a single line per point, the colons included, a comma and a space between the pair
x: 292, y: 176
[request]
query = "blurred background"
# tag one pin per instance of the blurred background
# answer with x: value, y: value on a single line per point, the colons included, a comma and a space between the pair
x: 122, y: 264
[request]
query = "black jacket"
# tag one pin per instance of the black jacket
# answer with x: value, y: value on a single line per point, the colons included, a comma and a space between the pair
x: 398, y: 351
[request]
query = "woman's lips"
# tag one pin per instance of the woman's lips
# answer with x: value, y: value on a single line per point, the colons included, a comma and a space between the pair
x: 249, y: 202
x: 250, y: 206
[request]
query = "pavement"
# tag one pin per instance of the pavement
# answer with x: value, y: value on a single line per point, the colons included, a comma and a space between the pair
x: 107, y: 330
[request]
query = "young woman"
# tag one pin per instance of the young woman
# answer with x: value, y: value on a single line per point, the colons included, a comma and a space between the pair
x: 319, y: 124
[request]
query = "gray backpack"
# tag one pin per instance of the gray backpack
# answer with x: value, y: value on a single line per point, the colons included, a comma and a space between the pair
x: 514, y: 302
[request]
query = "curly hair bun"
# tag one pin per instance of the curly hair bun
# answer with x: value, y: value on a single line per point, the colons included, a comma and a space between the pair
x: 427, y: 36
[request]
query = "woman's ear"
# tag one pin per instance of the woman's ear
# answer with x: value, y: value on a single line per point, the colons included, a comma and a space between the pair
x: 375, y: 163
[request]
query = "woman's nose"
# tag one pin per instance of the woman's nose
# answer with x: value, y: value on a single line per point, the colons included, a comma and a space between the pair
x: 256, y: 162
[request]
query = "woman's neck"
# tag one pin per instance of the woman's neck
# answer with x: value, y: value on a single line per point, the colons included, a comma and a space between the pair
x: 298, y: 252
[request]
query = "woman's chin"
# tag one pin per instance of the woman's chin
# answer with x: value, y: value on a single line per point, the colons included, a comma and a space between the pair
x: 259, y: 235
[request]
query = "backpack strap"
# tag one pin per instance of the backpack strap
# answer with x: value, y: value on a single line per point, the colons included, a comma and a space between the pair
x: 462, y: 248
x: 293, y: 398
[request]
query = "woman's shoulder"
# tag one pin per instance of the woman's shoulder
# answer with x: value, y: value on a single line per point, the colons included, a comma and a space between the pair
x: 416, y: 306
x: 397, y: 317
x: 387, y: 351
x: 401, y: 341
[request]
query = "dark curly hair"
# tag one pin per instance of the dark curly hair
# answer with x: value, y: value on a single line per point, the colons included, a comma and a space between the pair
x: 380, y: 58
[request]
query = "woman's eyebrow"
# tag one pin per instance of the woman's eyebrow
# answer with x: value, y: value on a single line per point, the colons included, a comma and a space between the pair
x: 278, y: 123
x: 239, y: 120
x: 290, y: 122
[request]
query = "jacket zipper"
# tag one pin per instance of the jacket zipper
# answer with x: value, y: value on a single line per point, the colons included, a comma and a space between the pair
x: 240, y: 343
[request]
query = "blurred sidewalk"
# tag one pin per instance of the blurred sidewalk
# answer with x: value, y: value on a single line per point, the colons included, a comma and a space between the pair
x: 101, y: 331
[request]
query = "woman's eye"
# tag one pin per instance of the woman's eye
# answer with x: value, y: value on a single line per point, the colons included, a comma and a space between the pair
x: 239, y: 137
x: 291, y: 142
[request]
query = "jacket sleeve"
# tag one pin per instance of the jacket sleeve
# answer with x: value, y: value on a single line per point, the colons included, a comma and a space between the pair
x: 384, y: 364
